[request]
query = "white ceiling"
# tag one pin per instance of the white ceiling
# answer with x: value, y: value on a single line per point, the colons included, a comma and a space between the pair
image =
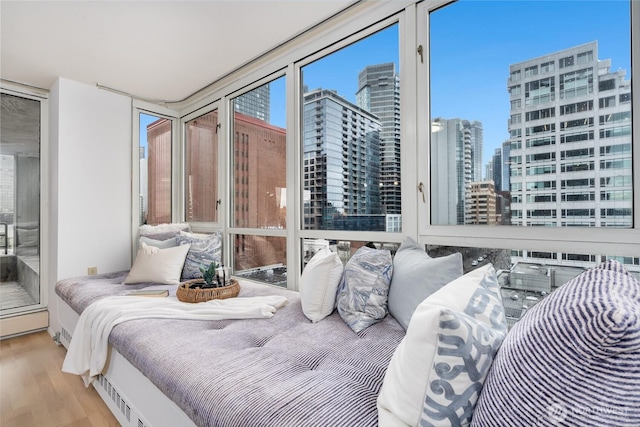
x: 164, y: 50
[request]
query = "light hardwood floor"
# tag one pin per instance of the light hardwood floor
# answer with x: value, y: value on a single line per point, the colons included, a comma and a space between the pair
x: 35, y: 392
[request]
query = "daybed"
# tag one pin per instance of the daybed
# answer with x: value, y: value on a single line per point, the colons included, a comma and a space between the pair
x: 574, y: 359
x: 282, y: 371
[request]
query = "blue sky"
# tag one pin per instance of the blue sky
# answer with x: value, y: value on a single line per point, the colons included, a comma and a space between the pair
x: 473, y: 42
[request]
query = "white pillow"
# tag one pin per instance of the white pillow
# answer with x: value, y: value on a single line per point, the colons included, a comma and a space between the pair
x: 436, y: 373
x: 157, y: 265
x: 319, y: 284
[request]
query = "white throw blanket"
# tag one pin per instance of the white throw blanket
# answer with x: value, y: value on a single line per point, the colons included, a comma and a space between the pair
x: 89, y: 346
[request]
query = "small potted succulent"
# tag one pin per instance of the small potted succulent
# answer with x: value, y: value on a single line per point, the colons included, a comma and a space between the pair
x: 210, y: 275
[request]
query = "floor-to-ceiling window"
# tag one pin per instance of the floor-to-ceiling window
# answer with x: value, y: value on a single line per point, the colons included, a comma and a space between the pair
x: 258, y: 183
x: 155, y: 157
x: 21, y: 193
x: 558, y: 169
x: 201, y: 169
x: 350, y: 146
x: 530, y: 139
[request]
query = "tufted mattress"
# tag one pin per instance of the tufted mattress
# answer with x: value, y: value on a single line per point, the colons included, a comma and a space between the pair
x: 282, y: 371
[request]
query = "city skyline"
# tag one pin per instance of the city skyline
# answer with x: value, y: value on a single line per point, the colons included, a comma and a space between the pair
x: 480, y: 95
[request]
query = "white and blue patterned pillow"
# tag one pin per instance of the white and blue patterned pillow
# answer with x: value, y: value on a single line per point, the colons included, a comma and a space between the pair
x: 205, y: 249
x: 437, y: 372
x: 364, y: 288
x: 572, y: 360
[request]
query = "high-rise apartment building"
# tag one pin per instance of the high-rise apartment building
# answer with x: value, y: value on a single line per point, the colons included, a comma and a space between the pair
x: 570, y: 137
x: 505, y: 164
x: 341, y: 172
x: 495, y: 172
x: 454, y: 166
x: 256, y: 103
x: 379, y: 93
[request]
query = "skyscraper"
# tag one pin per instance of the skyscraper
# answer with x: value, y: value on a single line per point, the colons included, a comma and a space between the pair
x: 255, y: 103
x: 454, y: 166
x: 379, y: 93
x: 341, y: 164
x: 570, y: 137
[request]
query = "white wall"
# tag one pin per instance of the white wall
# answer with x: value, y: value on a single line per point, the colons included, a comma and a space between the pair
x: 91, y: 180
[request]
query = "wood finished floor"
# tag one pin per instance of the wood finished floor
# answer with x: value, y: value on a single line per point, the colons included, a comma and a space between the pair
x: 35, y: 392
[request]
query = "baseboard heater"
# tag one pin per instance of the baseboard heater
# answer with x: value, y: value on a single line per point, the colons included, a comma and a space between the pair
x: 119, y: 405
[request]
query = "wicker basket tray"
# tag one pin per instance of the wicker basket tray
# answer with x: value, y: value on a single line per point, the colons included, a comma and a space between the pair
x: 186, y: 294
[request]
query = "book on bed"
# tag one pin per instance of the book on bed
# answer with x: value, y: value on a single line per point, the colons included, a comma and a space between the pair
x: 149, y: 293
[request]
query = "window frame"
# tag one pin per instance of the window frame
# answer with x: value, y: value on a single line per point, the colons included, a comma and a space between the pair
x: 358, y: 21
x: 41, y: 96
x: 557, y: 239
x: 143, y: 107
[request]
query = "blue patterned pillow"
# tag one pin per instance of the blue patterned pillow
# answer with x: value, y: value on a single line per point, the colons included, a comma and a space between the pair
x: 364, y: 288
x: 436, y: 374
x: 572, y: 360
x: 205, y: 249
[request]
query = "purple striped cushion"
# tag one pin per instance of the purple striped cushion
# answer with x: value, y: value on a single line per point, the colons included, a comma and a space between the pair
x: 573, y: 359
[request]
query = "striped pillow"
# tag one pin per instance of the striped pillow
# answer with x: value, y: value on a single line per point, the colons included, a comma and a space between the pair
x: 572, y: 360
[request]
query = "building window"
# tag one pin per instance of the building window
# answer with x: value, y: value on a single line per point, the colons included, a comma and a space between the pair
x: 609, y: 101
x: 531, y: 71
x: 578, y: 123
x: 577, y: 153
x: 585, y: 57
x: 547, y: 67
x: 539, y: 91
x: 623, y: 116
x: 567, y: 61
x: 605, y: 85
x: 576, y: 83
x: 576, y: 137
x: 612, y: 150
x: 577, y: 107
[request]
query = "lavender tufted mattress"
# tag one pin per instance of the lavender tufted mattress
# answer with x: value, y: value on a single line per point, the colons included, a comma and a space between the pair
x: 282, y: 371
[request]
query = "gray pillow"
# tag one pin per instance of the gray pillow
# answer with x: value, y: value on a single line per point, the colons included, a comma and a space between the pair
x: 416, y: 276
x: 162, y: 231
x: 205, y: 249
x: 363, y: 290
x: 160, y: 244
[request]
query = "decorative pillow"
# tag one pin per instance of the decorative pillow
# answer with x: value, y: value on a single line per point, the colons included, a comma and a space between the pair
x: 436, y: 373
x: 27, y: 236
x: 205, y: 249
x: 161, y: 244
x: 573, y: 359
x: 162, y: 231
x: 156, y: 265
x: 319, y: 284
x: 416, y: 276
x: 364, y: 288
